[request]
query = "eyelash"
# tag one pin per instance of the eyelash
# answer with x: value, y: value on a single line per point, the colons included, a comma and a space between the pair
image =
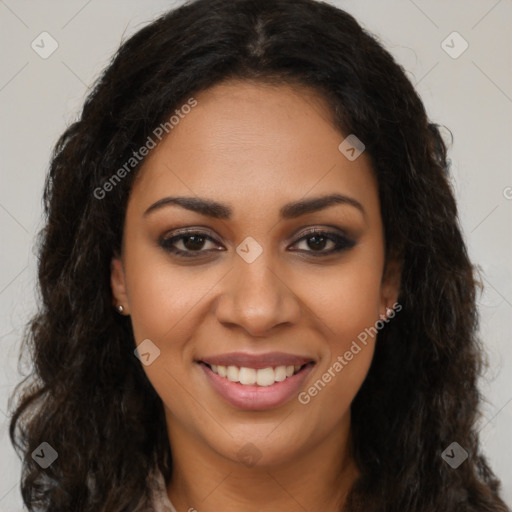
x: 342, y: 243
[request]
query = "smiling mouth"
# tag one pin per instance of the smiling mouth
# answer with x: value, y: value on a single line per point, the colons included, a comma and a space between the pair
x: 262, y: 377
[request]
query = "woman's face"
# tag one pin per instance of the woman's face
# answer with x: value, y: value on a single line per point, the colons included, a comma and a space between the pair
x: 249, y: 286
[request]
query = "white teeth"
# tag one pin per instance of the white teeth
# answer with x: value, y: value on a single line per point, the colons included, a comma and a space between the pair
x: 233, y: 373
x: 280, y: 373
x: 247, y: 376
x: 251, y: 376
x: 265, y: 377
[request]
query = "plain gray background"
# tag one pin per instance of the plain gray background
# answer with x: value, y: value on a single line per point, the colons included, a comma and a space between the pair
x: 468, y: 92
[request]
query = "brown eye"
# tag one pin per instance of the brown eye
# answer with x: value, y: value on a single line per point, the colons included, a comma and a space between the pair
x: 191, y: 242
x: 316, y: 242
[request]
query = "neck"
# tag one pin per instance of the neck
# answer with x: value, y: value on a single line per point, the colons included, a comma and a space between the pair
x: 317, y: 478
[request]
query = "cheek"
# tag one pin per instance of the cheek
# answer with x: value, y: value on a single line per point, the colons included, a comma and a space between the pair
x: 348, y: 298
x: 164, y: 301
x: 351, y: 343
x: 163, y: 295
x: 348, y: 306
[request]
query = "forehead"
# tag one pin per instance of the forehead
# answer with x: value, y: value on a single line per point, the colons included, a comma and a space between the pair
x: 245, y: 141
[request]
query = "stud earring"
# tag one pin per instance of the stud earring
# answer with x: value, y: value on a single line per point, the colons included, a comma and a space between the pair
x: 120, y: 309
x: 388, y: 311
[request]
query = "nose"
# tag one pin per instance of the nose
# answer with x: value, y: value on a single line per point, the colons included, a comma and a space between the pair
x: 257, y: 298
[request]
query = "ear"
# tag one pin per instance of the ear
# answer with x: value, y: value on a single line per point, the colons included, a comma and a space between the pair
x: 118, y: 284
x: 390, y: 286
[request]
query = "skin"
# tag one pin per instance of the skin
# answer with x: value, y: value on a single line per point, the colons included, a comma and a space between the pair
x: 255, y: 147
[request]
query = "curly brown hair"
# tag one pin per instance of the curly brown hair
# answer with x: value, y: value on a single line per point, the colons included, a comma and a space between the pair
x: 89, y: 397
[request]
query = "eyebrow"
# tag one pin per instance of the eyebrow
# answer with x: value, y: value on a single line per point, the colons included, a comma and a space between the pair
x: 291, y: 210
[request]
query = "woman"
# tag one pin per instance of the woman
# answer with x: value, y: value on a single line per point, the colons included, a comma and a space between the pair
x: 255, y: 293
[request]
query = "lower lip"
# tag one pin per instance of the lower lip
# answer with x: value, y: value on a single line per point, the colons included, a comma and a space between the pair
x: 257, y: 398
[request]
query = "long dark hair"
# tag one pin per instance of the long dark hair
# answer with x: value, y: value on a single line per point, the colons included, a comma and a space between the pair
x: 89, y: 398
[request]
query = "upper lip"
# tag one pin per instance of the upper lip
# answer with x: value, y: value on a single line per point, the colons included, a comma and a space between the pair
x: 256, y: 361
